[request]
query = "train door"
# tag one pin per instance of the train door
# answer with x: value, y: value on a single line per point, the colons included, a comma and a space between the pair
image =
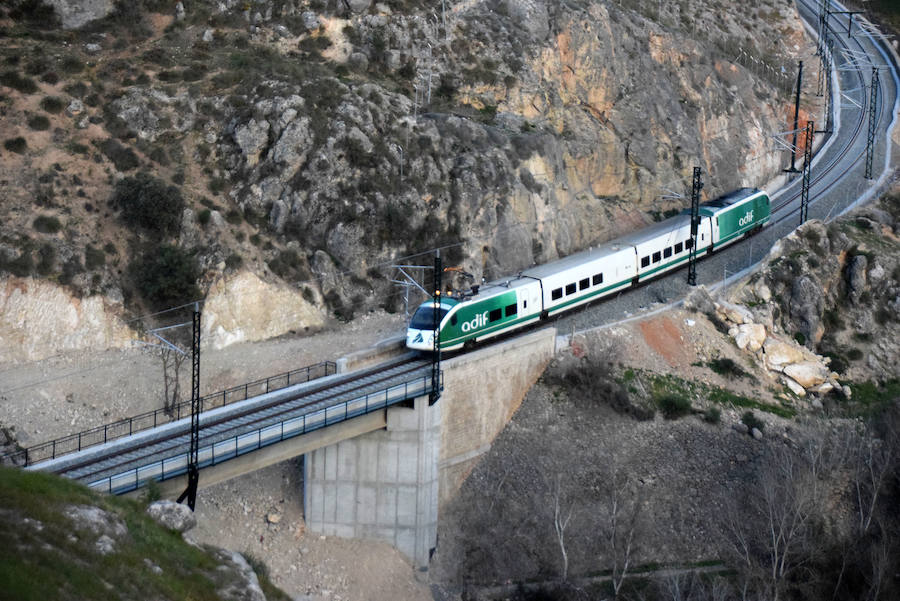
x: 530, y: 299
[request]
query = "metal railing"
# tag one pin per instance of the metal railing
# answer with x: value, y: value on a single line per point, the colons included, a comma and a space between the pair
x: 241, y: 444
x: 145, y: 421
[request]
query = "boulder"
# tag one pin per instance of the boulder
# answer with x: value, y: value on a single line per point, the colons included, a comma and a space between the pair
x: 807, y: 304
x: 778, y: 354
x: 740, y: 427
x: 76, y: 13
x: 310, y: 20
x: 246, y: 587
x: 808, y: 374
x: 856, y: 277
x: 172, y: 515
x: 756, y: 433
x: 750, y: 336
x: 252, y: 138
x: 794, y: 386
x: 734, y: 313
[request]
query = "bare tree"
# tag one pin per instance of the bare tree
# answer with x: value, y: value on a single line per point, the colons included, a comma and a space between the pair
x: 770, y: 531
x: 623, y: 521
x: 171, y: 360
x: 561, y: 518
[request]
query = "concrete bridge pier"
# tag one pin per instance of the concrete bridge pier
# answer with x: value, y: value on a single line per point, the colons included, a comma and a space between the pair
x: 382, y: 485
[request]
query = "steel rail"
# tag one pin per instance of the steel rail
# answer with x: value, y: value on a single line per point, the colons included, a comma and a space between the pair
x: 129, y: 426
x: 249, y: 420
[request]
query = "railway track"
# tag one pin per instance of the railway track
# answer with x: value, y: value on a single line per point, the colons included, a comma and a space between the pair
x: 250, y: 424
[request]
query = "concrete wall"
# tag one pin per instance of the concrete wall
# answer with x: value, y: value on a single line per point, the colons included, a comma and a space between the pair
x: 380, y: 486
x: 482, y: 391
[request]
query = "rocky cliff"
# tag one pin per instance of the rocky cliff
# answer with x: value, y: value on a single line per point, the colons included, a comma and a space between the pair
x: 316, y: 143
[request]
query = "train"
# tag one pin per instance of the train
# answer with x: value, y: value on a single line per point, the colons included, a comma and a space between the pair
x: 540, y: 292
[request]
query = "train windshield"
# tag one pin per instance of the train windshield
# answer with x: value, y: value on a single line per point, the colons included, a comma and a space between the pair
x: 424, y: 318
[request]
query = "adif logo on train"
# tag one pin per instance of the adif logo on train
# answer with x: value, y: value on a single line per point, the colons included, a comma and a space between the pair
x: 475, y: 323
x: 747, y: 218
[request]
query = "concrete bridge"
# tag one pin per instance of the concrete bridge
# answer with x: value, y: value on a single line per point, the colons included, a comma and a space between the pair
x: 379, y: 461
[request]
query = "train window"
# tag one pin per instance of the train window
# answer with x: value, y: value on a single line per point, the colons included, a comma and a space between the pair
x: 453, y: 319
x: 585, y: 283
x: 524, y: 304
x: 679, y: 247
x: 667, y: 252
x: 598, y: 279
x: 688, y: 243
x: 570, y: 289
x: 511, y: 309
x: 657, y: 257
x: 645, y: 261
x: 556, y: 294
x: 494, y: 315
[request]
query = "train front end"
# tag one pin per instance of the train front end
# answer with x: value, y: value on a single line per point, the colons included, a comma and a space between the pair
x: 420, y: 333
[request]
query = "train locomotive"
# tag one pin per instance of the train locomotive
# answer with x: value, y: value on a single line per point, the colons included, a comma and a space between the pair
x: 539, y: 292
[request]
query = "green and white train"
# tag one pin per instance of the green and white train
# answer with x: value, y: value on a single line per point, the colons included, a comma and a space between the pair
x: 540, y: 292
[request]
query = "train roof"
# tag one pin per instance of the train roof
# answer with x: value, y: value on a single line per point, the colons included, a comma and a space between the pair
x: 654, y: 231
x: 731, y: 198
x: 573, y: 260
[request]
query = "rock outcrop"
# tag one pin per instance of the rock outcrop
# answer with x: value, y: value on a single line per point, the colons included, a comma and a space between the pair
x: 245, y: 308
x: 172, y: 515
x: 39, y: 319
x: 78, y: 13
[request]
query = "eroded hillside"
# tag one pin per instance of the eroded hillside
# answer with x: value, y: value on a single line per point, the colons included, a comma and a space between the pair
x: 152, y: 151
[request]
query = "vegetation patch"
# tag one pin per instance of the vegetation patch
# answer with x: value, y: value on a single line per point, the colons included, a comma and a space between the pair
x: 166, y: 277
x: 46, y: 224
x: 61, y: 561
x: 12, y: 79
x: 122, y: 157
x: 17, y: 145
x: 39, y: 123
x: 53, y: 104
x: 147, y: 204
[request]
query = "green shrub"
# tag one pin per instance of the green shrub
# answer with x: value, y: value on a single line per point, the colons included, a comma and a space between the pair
x: 46, y: 224
x: 166, y: 277
x: 12, y: 79
x: 72, y: 64
x: 674, y: 406
x: 148, y: 204
x: 751, y: 421
x: 800, y: 337
x: 17, y: 145
x: 854, y: 354
x: 21, y: 266
x: 122, y: 157
x: 726, y: 367
x: 713, y: 415
x: 46, y: 259
x: 94, y: 257
x: 39, y: 123
x: 234, y: 217
x: 50, y: 77
x: 204, y: 216
x: 53, y: 104
x: 233, y: 261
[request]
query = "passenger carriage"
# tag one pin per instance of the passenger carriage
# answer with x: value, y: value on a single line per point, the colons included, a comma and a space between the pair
x: 545, y: 290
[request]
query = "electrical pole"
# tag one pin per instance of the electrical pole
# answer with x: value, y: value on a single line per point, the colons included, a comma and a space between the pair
x: 826, y: 67
x: 695, y: 223
x: 873, y: 121
x: 793, y: 168
x: 190, y: 493
x: 807, y: 166
x: 435, y: 393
